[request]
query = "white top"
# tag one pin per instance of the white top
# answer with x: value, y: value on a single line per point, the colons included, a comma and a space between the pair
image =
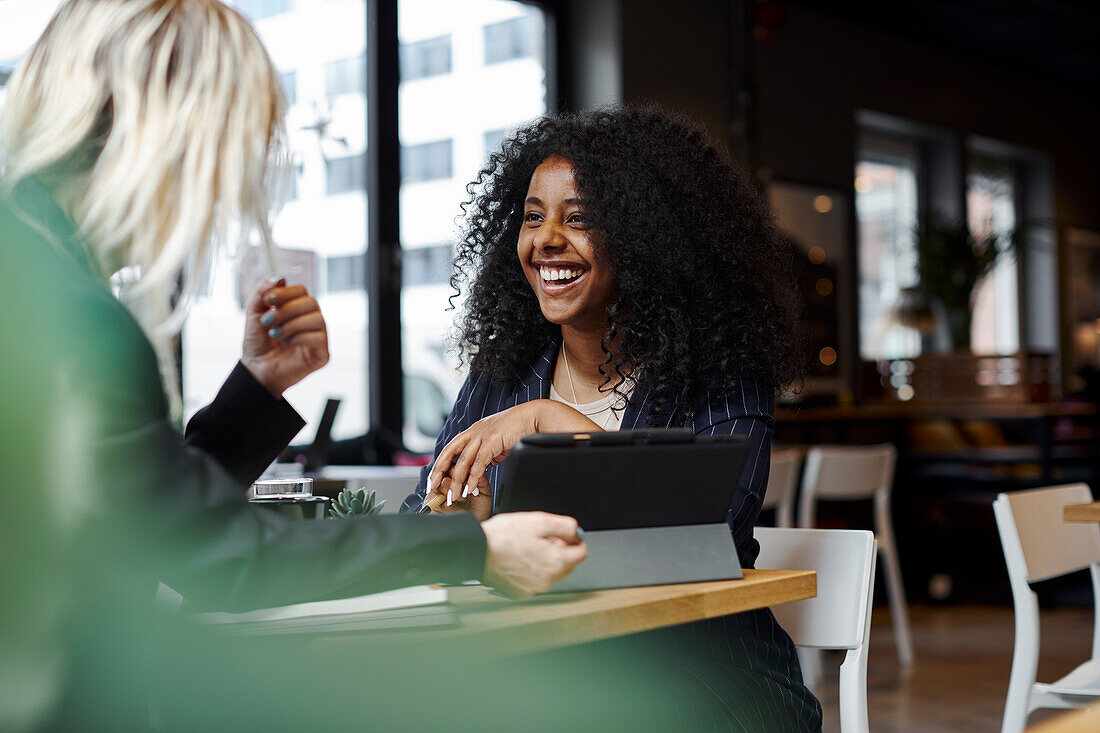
x: 607, y: 412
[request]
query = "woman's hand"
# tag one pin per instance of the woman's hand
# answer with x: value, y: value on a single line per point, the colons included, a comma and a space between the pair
x: 459, y: 471
x: 476, y: 499
x: 285, y: 338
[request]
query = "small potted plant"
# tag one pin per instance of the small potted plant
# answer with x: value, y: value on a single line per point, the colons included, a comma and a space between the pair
x: 361, y: 503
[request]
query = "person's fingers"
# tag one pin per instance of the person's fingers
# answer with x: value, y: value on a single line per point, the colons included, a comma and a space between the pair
x: 482, y: 460
x: 446, y: 457
x: 290, y: 310
x: 572, y: 556
x: 309, y: 322
x: 557, y: 525
x: 277, y: 296
x: 315, y: 340
x: 460, y: 471
x: 256, y: 303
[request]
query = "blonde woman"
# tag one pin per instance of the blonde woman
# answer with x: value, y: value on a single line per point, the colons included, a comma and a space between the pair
x: 137, y: 137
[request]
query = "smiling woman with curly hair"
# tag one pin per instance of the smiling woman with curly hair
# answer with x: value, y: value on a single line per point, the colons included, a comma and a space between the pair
x: 618, y: 271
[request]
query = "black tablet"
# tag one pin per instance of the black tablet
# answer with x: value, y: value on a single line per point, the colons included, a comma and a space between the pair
x: 625, y: 479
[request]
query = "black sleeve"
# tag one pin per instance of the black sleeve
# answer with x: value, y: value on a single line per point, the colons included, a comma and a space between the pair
x: 245, y: 427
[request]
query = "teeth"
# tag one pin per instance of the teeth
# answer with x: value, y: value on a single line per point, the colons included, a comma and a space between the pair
x: 551, y: 275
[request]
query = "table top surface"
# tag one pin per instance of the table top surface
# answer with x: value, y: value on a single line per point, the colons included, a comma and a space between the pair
x: 1077, y: 721
x: 557, y: 620
x: 1082, y: 512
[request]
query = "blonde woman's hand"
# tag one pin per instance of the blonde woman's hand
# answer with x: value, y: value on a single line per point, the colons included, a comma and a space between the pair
x: 285, y: 337
x: 527, y: 552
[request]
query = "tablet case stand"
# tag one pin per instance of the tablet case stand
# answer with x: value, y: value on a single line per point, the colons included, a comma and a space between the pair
x: 622, y: 558
x: 667, y: 527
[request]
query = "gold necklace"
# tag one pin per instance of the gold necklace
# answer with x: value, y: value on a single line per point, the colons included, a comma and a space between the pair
x: 569, y: 373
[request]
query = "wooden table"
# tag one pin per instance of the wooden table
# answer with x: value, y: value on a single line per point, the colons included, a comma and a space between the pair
x: 1078, y: 721
x: 550, y: 621
x: 1082, y: 512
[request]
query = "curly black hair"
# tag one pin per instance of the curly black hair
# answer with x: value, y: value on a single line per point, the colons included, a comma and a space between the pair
x: 704, y: 290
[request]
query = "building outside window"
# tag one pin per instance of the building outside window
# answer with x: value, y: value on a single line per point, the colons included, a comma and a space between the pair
x: 346, y: 174
x: 886, y: 213
x: 427, y: 161
x: 429, y: 57
x: 515, y: 38
x: 257, y: 9
x: 346, y: 76
x: 290, y: 87
x: 493, y: 140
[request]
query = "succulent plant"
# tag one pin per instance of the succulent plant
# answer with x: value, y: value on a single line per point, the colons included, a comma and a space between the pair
x: 355, y: 504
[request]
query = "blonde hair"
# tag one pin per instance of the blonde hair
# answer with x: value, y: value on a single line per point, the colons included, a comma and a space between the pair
x: 158, y: 124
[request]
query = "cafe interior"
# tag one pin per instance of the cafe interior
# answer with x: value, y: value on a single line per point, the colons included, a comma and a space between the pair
x: 933, y: 168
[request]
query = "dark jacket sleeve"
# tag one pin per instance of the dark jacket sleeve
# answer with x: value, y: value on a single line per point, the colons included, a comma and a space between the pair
x: 244, y: 428
x: 747, y: 410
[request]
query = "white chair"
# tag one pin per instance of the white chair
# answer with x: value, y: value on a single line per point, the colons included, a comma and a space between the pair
x: 862, y: 472
x: 786, y: 463
x: 1038, y: 545
x: 839, y: 617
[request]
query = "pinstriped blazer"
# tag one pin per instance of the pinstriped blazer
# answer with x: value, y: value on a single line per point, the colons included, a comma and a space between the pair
x: 743, y: 409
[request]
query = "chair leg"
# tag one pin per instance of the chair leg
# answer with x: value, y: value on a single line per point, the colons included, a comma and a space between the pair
x: 784, y: 513
x: 810, y: 662
x: 1025, y: 662
x: 899, y: 610
x: 853, y: 692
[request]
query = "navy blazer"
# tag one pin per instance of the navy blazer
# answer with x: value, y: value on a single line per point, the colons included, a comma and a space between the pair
x: 742, y: 409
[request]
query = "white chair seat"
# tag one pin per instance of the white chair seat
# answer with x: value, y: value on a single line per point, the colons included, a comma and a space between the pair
x: 1084, y: 681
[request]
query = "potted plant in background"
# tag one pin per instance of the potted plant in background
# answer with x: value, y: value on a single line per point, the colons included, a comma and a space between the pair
x: 952, y: 262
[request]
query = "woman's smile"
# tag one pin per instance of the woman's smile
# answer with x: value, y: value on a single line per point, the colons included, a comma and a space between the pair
x: 556, y: 250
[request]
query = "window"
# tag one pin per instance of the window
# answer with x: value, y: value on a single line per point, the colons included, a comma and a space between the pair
x: 426, y: 265
x: 492, y: 140
x: 513, y: 39
x: 22, y: 24
x: 290, y: 87
x: 346, y: 76
x: 345, y: 272
x: 991, y: 211
x: 886, y: 213
x: 466, y: 127
x: 430, y: 57
x: 257, y: 9
x: 426, y: 162
x: 346, y: 174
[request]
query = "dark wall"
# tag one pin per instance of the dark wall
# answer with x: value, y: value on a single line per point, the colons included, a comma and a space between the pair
x: 678, y: 53
x: 809, y: 83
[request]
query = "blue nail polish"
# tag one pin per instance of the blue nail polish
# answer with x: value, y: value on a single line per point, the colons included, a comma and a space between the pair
x: 275, y: 332
x: 268, y: 318
x: 580, y: 533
